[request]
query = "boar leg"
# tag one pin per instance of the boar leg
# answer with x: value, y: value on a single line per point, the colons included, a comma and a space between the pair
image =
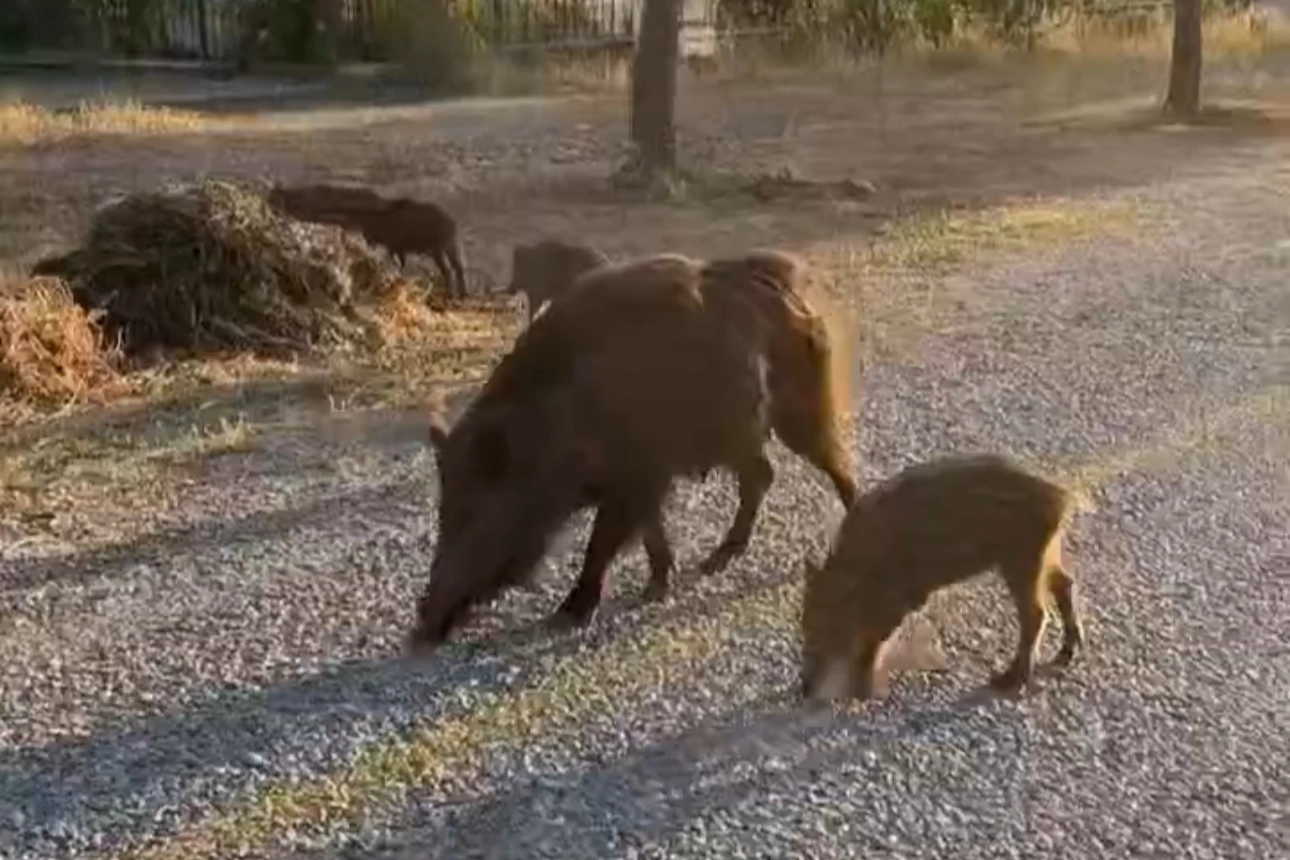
x: 661, y: 559
x: 755, y: 477
x: 1062, y: 589
x: 1026, y: 582
x: 817, y: 442
x: 869, y: 670
x: 448, y: 262
x: 617, y: 520
x: 441, y: 263
x: 457, y: 261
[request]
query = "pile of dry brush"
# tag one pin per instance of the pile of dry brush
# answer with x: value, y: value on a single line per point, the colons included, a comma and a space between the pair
x: 212, y: 267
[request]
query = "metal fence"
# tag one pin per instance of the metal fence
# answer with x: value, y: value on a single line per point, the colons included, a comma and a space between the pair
x: 220, y: 29
x: 364, y: 30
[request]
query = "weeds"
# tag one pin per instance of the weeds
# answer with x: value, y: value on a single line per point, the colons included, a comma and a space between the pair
x: 26, y: 124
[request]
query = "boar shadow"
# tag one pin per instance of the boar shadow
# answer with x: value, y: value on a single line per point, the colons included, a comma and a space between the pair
x: 706, y: 768
x: 183, y: 749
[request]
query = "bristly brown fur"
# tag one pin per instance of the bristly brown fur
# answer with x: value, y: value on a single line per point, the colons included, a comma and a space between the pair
x: 930, y: 526
x: 402, y: 225
x: 642, y: 372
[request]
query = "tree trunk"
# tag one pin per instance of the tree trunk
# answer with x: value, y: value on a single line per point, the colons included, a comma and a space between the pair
x: 1184, y: 64
x: 653, y: 127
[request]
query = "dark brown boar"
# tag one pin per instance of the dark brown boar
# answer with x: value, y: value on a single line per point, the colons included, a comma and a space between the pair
x: 642, y: 373
x: 545, y: 269
x: 930, y: 526
x: 401, y: 225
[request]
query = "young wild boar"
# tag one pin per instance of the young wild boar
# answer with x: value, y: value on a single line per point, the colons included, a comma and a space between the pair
x: 640, y: 374
x: 543, y: 270
x: 930, y: 526
x: 402, y: 225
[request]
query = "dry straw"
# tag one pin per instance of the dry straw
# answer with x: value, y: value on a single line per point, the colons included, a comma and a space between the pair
x: 52, y: 351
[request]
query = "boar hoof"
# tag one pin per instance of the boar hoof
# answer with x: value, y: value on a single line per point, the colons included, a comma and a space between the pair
x: 718, y: 561
x: 418, y: 646
x: 1064, y: 657
x: 1009, y: 683
x: 655, y: 592
x: 570, y: 619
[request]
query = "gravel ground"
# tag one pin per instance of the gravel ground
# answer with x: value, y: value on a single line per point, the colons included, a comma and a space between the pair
x: 251, y: 640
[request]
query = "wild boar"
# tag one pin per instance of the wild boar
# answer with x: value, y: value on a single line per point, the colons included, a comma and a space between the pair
x: 642, y: 373
x: 545, y: 269
x: 930, y: 526
x: 401, y: 225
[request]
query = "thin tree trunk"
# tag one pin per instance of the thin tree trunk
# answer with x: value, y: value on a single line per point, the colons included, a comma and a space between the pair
x: 1184, y: 64
x: 654, y: 73
x: 331, y: 15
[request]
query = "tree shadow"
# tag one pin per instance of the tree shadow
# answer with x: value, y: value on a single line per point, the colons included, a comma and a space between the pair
x: 117, y: 559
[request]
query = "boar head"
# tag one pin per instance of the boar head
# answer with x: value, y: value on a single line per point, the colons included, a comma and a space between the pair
x: 509, y: 477
x: 842, y: 652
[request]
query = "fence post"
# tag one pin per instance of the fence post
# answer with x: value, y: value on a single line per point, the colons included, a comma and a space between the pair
x: 203, y: 36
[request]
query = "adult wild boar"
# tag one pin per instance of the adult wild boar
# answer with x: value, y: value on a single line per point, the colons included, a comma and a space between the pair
x: 928, y: 527
x: 641, y: 373
x: 546, y: 269
x: 401, y: 225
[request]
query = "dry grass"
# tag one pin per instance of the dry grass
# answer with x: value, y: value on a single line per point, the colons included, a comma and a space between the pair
x: 418, y: 348
x: 502, y: 76
x: 892, y: 293
x: 52, y: 352
x: 576, y: 690
x: 166, y: 418
x: 25, y: 124
x: 1243, y: 35
x: 930, y: 245
x: 422, y: 347
x: 225, y: 436
x: 122, y: 469
x: 937, y: 241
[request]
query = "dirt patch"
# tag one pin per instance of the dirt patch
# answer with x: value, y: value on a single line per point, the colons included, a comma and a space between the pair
x: 911, y: 173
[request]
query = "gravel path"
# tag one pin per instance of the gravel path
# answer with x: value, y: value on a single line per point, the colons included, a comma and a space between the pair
x: 252, y: 644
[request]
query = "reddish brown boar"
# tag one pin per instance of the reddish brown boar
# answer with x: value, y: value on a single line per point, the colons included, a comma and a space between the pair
x: 930, y: 526
x: 401, y: 225
x: 642, y: 373
x: 546, y: 269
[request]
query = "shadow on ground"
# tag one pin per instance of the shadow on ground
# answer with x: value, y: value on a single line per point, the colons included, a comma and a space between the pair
x: 663, y: 787
x: 157, y: 761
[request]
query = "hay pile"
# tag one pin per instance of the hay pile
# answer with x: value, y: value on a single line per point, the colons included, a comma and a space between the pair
x: 211, y: 267
x: 51, y: 350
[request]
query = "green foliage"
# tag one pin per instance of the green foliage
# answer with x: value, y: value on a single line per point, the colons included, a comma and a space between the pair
x: 433, y: 44
x: 873, y: 26
x: 280, y: 31
x: 522, y: 21
x: 26, y: 24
